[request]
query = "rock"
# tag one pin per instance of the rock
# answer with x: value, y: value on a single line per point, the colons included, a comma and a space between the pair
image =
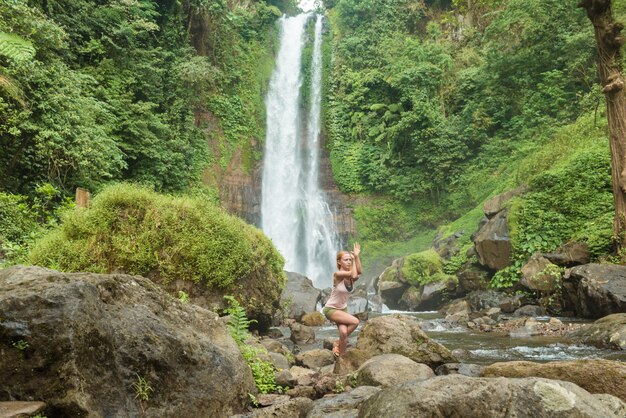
x: 313, y: 319
x: 275, y: 346
x: 294, y: 407
x: 17, y: 409
x: 279, y: 361
x: 595, y: 376
x: 608, y: 332
x: 358, y: 305
x: 391, y: 284
x: 401, y: 334
x: 285, y: 378
x: 267, y: 399
x: 343, y: 405
x: 299, y: 295
x: 328, y: 383
x: 600, y: 289
x: 530, y: 310
x: 390, y: 369
x: 614, y: 404
x: 351, y: 361
x: 484, y: 299
x: 471, y: 370
x: 88, y: 338
x: 315, y: 359
x: 493, y: 243
x: 302, y: 391
x: 433, y: 294
x: 410, y: 299
x: 274, y: 333
x: 446, y: 247
x: 570, y: 254
x: 497, y: 203
x: 534, y: 276
x: 472, y: 278
x: 303, y: 376
x: 510, y: 304
x: 461, y: 396
x: 301, y: 334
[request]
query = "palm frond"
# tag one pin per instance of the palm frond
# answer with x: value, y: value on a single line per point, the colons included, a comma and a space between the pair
x: 11, y: 88
x: 15, y: 48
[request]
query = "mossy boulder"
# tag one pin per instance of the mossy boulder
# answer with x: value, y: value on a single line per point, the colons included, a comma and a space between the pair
x: 183, y: 243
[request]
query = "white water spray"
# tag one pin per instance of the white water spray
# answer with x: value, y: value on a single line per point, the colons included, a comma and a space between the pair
x: 294, y: 212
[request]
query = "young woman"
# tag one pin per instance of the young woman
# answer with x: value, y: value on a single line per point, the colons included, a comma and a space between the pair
x: 336, y: 308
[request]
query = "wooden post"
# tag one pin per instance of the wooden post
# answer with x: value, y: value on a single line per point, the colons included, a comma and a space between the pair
x: 82, y: 197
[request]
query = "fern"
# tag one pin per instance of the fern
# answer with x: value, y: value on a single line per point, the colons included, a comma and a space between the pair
x: 238, y: 323
x: 15, y: 48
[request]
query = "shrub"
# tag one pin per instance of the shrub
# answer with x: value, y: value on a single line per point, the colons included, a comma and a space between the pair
x: 134, y: 230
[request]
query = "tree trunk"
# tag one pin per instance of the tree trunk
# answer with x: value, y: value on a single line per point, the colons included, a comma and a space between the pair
x: 609, y: 40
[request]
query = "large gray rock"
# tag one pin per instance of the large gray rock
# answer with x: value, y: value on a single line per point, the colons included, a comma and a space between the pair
x: 82, y: 341
x: 484, y: 299
x: 493, y: 243
x: 292, y: 408
x: 472, y: 278
x: 460, y: 396
x: 299, y: 295
x: 570, y: 254
x: 401, y: 334
x: 315, y: 359
x: 344, y: 405
x: 608, y: 332
x: 301, y: 334
x: 595, y: 376
x: 535, y: 276
x: 391, y: 284
x: 497, y: 203
x: 390, y: 369
x: 597, y: 289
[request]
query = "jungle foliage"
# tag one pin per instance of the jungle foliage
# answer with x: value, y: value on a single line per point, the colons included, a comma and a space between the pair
x: 440, y: 105
x: 156, y: 92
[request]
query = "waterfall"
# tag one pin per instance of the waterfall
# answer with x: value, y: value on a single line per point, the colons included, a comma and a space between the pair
x: 294, y: 211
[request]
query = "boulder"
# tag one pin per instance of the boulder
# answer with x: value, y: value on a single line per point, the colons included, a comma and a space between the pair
x: 530, y: 310
x: 17, y: 409
x: 433, y: 294
x: 401, y: 334
x: 598, y: 289
x: 313, y: 319
x: 391, y: 284
x: 358, y: 305
x: 472, y: 278
x: 457, y: 395
x: 303, y: 376
x: 570, y: 254
x: 299, y: 296
x: 483, y: 299
x: 315, y: 359
x: 608, y: 332
x: 279, y: 361
x: 446, y: 246
x: 351, y: 360
x: 493, y: 243
x: 91, y: 344
x: 389, y: 369
x: 343, y: 405
x: 301, y: 334
x: 510, y: 304
x: 595, y: 376
x: 534, y: 276
x: 497, y: 203
x: 302, y: 392
x: 289, y: 409
x: 410, y: 299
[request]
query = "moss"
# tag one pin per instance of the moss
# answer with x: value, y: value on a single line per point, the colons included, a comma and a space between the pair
x: 423, y: 268
x: 134, y: 230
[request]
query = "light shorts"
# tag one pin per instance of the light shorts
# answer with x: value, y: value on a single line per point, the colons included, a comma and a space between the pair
x: 328, y: 311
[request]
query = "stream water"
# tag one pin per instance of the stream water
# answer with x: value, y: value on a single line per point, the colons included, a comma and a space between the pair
x: 486, y: 348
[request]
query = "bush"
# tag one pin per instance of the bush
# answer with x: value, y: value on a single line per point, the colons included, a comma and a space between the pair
x: 134, y: 230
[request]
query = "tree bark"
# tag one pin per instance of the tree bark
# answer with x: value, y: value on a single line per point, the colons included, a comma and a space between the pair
x: 610, y: 40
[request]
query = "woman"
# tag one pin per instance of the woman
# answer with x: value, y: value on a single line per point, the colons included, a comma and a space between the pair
x: 336, y: 308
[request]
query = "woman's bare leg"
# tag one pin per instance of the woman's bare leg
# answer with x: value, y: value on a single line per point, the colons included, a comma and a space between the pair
x: 346, y: 324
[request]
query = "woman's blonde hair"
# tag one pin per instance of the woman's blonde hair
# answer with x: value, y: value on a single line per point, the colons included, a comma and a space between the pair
x: 339, y: 255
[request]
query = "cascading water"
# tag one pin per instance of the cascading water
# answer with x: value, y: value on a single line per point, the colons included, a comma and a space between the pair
x: 294, y: 212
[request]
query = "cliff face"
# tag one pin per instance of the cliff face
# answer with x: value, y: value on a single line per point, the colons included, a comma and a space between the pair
x: 240, y: 194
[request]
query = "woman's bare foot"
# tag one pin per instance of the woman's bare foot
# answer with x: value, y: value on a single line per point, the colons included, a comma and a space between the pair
x: 336, y: 348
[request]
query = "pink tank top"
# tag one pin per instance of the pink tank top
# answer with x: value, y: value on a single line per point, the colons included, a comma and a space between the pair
x: 338, y: 297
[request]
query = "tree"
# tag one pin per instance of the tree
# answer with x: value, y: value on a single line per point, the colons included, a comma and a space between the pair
x: 609, y: 40
x: 16, y: 49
